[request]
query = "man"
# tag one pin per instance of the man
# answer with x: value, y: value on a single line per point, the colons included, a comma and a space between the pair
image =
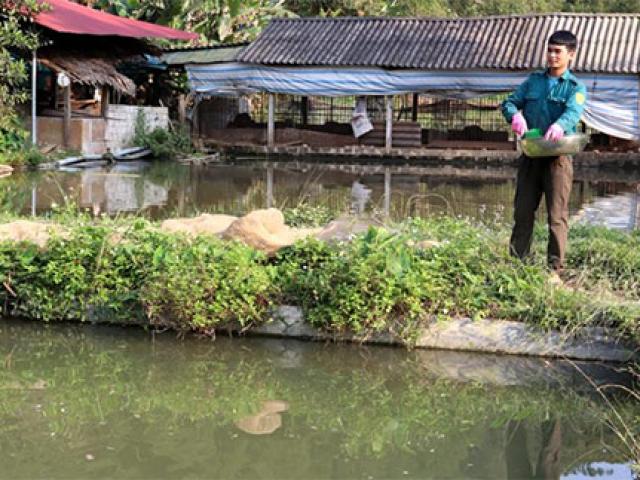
x: 552, y: 101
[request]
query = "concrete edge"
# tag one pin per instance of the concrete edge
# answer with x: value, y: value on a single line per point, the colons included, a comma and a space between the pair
x: 464, y: 334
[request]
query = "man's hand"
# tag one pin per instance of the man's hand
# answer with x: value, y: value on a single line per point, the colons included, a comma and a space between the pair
x: 554, y: 133
x: 519, y: 124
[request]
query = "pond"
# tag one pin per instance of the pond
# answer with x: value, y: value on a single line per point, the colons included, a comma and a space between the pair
x: 86, y: 401
x: 164, y: 189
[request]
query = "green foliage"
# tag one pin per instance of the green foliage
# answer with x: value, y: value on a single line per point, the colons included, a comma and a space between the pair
x: 16, y: 36
x: 599, y: 254
x: 454, y: 8
x: 205, y: 283
x: 109, y: 271
x: 305, y: 215
x: 164, y: 143
x: 378, y: 282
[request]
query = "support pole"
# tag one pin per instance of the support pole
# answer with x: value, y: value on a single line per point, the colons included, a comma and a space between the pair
x: 34, y: 87
x: 387, y: 191
x: 271, y: 130
x: 414, y: 109
x: 34, y: 199
x: 104, y: 105
x: 388, y: 140
x: 66, y: 126
x: 269, y: 186
x: 636, y: 208
x: 304, y: 110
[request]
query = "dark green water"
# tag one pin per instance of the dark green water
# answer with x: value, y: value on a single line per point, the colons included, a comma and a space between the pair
x: 105, y: 402
x: 164, y: 189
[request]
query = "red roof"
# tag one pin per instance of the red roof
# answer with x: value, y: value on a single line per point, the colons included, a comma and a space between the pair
x: 69, y: 17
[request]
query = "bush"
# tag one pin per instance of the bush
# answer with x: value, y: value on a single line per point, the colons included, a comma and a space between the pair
x: 125, y: 270
x: 164, y: 143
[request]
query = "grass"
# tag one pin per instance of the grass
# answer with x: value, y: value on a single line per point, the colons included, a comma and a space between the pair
x: 380, y: 281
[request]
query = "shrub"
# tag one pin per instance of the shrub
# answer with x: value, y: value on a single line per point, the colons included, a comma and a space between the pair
x: 164, y: 143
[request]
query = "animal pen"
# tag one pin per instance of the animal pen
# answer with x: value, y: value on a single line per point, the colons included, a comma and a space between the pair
x: 423, y: 83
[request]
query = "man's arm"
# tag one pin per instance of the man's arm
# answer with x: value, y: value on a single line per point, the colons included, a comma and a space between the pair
x: 573, y: 109
x: 515, y: 101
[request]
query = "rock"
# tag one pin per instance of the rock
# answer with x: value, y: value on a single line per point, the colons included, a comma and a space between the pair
x: 28, y: 231
x: 5, y: 170
x: 265, y: 230
x: 343, y: 229
x: 205, y: 224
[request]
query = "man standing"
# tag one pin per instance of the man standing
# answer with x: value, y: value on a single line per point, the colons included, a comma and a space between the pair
x: 552, y: 101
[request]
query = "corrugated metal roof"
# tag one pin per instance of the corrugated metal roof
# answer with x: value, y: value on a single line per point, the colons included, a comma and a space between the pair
x: 606, y: 42
x: 217, y: 54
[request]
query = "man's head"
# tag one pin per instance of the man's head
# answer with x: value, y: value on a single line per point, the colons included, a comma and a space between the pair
x: 561, y: 48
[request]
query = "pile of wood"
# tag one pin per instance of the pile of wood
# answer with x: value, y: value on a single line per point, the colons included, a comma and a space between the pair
x: 403, y: 134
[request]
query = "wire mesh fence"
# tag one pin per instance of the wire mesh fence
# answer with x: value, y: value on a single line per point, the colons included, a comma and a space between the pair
x: 431, y: 112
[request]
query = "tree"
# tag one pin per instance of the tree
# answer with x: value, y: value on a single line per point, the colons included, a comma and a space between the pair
x: 16, y: 36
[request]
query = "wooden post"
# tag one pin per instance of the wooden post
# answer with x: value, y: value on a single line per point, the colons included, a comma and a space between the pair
x: 414, y: 110
x: 637, y: 209
x: 387, y: 191
x: 66, y: 126
x: 388, y: 139
x: 104, y: 102
x: 269, y: 186
x: 271, y: 130
x: 34, y: 102
x: 182, y: 109
x: 304, y: 110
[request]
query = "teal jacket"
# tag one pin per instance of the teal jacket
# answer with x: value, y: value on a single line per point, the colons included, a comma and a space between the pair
x: 541, y: 108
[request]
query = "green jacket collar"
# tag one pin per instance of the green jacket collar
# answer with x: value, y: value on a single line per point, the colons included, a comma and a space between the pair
x: 567, y: 75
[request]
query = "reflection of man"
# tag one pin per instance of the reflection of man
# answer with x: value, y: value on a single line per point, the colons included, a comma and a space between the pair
x: 551, y: 101
x: 548, y: 466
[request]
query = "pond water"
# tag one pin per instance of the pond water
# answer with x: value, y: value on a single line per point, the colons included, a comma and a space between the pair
x: 164, y: 189
x: 85, y: 401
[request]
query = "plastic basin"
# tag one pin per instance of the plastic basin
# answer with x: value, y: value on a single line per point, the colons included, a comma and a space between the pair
x: 567, y: 145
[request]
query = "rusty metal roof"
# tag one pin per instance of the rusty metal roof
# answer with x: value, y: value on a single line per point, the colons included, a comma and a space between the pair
x: 606, y: 42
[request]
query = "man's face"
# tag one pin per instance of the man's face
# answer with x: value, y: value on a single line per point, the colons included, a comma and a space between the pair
x: 558, y: 56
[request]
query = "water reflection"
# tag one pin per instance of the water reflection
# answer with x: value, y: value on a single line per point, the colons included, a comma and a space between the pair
x: 164, y: 189
x: 122, y: 403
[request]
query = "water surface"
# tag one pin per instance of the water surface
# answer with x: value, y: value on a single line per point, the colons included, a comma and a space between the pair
x: 105, y: 402
x: 164, y: 189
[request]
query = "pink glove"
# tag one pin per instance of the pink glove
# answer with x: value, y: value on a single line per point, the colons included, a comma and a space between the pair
x: 554, y: 133
x: 519, y: 124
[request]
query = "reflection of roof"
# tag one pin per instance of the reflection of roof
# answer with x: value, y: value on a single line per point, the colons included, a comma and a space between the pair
x: 215, y: 54
x: 607, y: 43
x: 69, y: 17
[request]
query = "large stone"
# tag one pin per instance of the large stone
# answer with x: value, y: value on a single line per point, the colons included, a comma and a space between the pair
x: 28, y: 231
x: 345, y: 228
x: 5, y: 170
x: 265, y: 230
x: 205, y: 224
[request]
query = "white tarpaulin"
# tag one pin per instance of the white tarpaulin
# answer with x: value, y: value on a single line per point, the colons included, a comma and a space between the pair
x: 612, y: 103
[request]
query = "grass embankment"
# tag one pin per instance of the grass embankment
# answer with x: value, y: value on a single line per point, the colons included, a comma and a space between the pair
x: 377, y: 282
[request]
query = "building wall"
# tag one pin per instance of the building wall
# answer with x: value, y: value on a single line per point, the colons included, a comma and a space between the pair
x: 96, y: 135
x: 121, y: 123
x: 86, y: 135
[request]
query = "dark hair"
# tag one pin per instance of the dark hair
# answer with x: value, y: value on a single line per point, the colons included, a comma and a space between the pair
x: 564, y: 37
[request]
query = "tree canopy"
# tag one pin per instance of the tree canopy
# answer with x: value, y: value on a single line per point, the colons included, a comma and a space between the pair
x: 15, y: 36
